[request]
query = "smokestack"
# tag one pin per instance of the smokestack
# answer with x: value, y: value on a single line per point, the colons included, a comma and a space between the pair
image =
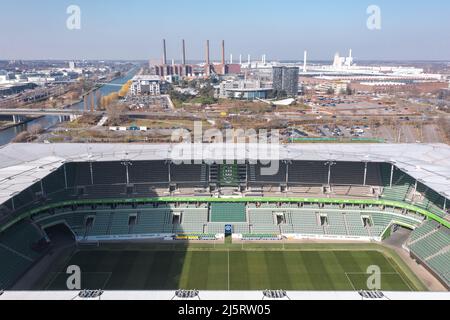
x: 164, y: 52
x: 208, y: 64
x: 223, y: 52
x: 249, y: 60
x: 240, y: 59
x: 231, y: 58
x: 184, y: 53
x: 207, y: 52
x: 305, y: 56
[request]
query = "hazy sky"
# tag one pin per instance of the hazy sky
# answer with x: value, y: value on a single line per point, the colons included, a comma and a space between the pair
x: 133, y: 29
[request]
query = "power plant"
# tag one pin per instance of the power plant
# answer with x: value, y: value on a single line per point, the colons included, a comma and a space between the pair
x: 166, y: 69
x: 206, y: 69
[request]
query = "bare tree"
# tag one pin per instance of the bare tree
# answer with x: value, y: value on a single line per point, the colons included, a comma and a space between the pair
x: 35, y: 130
x: 115, y: 113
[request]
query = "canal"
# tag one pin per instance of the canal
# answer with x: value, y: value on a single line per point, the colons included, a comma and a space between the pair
x: 7, y: 135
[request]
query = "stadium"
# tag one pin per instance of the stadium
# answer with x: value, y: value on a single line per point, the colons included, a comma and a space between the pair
x: 135, y: 220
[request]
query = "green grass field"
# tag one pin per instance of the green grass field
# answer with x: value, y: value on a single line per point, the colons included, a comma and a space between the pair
x: 231, y: 268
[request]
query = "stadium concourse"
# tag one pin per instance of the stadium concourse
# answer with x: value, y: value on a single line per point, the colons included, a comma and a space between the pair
x: 101, y: 193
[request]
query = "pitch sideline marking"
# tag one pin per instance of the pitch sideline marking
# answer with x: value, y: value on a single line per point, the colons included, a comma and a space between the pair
x: 400, y: 274
x: 349, y: 280
x: 386, y: 273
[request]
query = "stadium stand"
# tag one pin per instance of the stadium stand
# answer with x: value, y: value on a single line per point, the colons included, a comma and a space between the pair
x: 62, y: 193
x: 120, y: 223
x: 100, y: 226
x: 347, y: 173
x: 54, y: 182
x: 313, y: 172
x: 255, y: 221
x: 430, y: 200
x: 194, y: 215
x: 256, y: 178
x: 104, y: 191
x: 440, y: 265
x: 105, y: 173
x: 155, y: 172
x: 21, y: 237
x: 354, y: 224
x: 17, y: 252
x: 401, y: 184
x: 430, y: 243
x: 12, y: 267
x: 336, y: 224
x: 306, y: 223
x: 189, y: 175
x: 154, y: 221
x: 228, y: 212
x: 78, y: 174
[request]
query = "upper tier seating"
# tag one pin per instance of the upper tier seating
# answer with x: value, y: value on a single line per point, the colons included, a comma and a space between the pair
x: 185, y: 175
x: 257, y: 176
x: 312, y: 172
x: 149, y: 171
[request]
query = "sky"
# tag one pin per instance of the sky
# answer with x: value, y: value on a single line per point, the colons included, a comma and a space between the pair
x: 281, y: 29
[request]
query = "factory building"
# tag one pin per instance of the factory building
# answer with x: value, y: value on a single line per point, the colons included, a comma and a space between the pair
x: 145, y: 85
x: 285, y: 79
x: 243, y: 89
x: 181, y: 70
x: 166, y: 70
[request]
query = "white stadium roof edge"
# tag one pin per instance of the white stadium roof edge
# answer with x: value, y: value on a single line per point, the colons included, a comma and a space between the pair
x: 221, y: 295
x: 22, y: 165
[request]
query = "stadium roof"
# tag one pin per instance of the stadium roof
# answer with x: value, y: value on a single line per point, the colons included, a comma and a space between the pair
x: 21, y: 165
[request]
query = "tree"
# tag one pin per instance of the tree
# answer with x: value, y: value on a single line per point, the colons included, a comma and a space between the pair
x: 35, y: 130
x: 349, y: 90
x: 125, y: 88
x: 115, y: 113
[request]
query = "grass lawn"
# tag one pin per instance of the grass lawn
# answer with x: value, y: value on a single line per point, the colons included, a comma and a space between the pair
x: 232, y: 268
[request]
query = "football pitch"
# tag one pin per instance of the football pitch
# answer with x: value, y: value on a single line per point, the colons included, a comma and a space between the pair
x: 222, y: 268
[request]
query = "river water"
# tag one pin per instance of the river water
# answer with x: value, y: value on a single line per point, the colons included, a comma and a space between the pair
x: 6, y: 136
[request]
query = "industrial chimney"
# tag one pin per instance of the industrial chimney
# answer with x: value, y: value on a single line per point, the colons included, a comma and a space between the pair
x: 164, y: 52
x: 223, y: 52
x: 207, y: 52
x: 184, y: 53
x: 207, y: 62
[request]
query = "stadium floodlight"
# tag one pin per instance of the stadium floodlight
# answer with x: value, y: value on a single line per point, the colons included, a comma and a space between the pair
x: 127, y: 163
x: 329, y: 164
